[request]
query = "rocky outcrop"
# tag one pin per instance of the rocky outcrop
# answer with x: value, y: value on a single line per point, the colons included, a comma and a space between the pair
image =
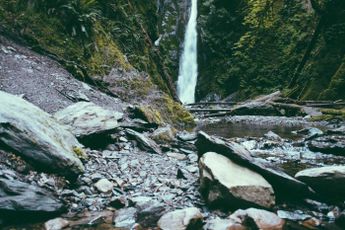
x: 281, y: 182
x: 328, y: 180
x: 188, y: 218
x: 18, y: 199
x: 86, y: 118
x: 144, y: 142
x: 33, y: 134
x: 263, y: 219
x: 230, y: 186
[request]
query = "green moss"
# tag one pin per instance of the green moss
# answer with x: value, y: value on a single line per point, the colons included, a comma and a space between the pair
x: 151, y: 114
x: 330, y: 114
x: 79, y: 152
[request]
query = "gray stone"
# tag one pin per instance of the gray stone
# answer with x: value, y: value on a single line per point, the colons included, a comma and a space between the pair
x: 188, y: 218
x: 227, y: 184
x: 56, y: 224
x: 125, y: 218
x: 281, y: 182
x: 34, y: 134
x: 163, y: 134
x: 19, y: 198
x: 104, y: 186
x: 328, y: 144
x: 263, y: 219
x: 329, y: 180
x: 144, y: 142
x: 177, y: 156
x: 223, y: 224
x: 86, y: 118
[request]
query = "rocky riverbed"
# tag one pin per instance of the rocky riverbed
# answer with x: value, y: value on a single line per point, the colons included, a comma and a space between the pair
x: 73, y: 157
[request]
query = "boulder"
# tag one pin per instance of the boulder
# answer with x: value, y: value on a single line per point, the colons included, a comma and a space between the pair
x: 188, y: 218
x: 281, y: 182
x: 34, y: 134
x: 263, y: 219
x: 223, y: 224
x: 56, y: 224
x: 86, y: 118
x: 145, y: 143
x: 230, y: 186
x: 328, y: 144
x: 149, y: 210
x: 328, y: 180
x: 21, y: 199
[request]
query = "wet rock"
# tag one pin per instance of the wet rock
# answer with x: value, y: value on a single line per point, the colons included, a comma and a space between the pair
x: 186, y: 136
x: 249, y: 144
x: 328, y: 144
x: 177, y: 156
x: 56, y: 224
x: 328, y: 180
x: 125, y: 218
x: 281, y: 182
x: 188, y: 218
x: 149, y: 210
x: 296, y: 215
x: 144, y: 142
x: 19, y: 198
x: 223, y: 224
x: 163, y: 135
x: 104, y: 186
x: 273, y: 136
x: 35, y: 135
x: 263, y: 219
x: 311, y: 223
x: 338, y: 131
x: 229, y: 185
x: 310, y: 132
x: 86, y: 118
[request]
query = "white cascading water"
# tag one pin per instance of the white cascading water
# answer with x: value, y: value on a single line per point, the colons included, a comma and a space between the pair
x: 188, y: 70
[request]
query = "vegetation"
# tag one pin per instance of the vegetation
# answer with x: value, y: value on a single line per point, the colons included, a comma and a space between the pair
x: 294, y: 46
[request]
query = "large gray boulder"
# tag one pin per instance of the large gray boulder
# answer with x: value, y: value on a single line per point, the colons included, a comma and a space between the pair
x: 36, y: 136
x: 86, y: 118
x: 229, y: 185
x: 19, y: 198
x: 328, y: 180
x: 281, y: 182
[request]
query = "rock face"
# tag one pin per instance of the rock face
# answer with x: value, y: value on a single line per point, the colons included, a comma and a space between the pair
x: 34, y: 134
x: 280, y: 181
x: 86, y: 118
x: 188, y: 218
x: 263, y: 219
x: 227, y: 184
x: 328, y: 144
x: 19, y: 198
x: 329, y: 180
x: 144, y: 142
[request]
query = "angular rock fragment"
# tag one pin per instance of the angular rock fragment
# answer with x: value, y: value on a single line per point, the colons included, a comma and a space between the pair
x: 86, y: 118
x: 281, y: 182
x: 328, y: 180
x: 144, y: 142
x: 188, y: 218
x: 33, y: 133
x: 230, y: 186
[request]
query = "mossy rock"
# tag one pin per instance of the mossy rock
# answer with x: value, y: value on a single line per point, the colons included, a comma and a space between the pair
x: 330, y: 114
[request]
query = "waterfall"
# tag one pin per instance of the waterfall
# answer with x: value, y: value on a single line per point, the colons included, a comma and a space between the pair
x: 188, y: 70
